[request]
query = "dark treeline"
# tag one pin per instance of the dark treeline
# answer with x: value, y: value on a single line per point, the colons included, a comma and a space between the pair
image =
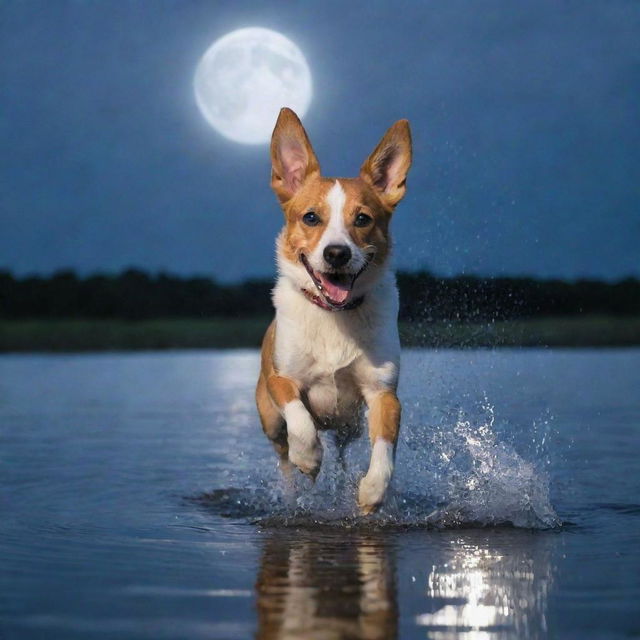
x: 135, y: 294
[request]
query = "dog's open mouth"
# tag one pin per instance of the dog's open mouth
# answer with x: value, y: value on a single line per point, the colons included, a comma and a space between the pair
x: 333, y: 287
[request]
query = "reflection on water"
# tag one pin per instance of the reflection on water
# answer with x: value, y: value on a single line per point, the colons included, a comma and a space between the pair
x: 98, y: 451
x: 479, y: 585
x: 481, y: 589
x: 325, y: 587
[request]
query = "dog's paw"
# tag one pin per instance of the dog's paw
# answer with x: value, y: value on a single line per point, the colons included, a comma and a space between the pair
x: 371, y: 494
x: 305, y: 450
x: 307, y: 458
x: 374, y: 485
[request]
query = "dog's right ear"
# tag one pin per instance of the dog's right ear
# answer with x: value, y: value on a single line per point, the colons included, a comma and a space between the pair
x: 292, y: 157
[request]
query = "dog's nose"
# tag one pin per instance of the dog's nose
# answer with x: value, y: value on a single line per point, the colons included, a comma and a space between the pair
x: 337, y: 255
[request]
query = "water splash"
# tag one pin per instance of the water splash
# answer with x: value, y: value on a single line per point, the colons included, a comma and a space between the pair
x: 481, y: 479
x: 458, y: 474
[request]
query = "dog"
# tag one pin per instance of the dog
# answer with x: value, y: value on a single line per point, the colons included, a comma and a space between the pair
x: 333, y: 346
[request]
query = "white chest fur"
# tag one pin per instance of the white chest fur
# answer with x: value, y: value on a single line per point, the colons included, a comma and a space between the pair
x: 337, y: 358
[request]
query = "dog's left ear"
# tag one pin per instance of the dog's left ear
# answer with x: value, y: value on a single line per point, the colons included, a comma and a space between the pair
x: 387, y: 167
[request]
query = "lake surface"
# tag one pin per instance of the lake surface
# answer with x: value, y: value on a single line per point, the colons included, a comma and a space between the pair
x: 140, y: 500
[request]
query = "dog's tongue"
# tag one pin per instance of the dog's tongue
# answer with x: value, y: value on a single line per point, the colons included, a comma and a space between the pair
x: 337, y: 292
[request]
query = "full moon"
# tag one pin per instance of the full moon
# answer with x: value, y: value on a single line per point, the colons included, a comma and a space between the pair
x: 245, y: 78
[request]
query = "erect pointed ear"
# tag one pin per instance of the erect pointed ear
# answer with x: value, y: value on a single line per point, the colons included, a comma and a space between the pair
x: 292, y: 157
x: 387, y: 167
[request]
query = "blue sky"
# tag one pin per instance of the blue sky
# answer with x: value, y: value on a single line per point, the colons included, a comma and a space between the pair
x: 525, y: 119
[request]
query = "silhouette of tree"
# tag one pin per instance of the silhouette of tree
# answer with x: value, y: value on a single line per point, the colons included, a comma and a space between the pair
x: 135, y: 294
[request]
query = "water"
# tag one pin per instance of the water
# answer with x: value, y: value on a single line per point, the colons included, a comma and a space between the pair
x: 140, y: 500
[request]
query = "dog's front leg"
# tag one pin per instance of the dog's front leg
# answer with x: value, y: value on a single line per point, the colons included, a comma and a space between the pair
x: 305, y: 450
x: 384, y: 424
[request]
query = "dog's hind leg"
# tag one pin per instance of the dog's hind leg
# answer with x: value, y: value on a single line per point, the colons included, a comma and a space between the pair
x: 273, y: 423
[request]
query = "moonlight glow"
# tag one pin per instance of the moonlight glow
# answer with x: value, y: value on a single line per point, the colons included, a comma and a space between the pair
x: 244, y: 79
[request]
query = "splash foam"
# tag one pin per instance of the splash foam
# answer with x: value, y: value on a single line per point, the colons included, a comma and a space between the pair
x: 458, y: 474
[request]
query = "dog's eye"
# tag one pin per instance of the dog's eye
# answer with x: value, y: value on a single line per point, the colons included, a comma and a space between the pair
x: 362, y: 220
x: 311, y: 219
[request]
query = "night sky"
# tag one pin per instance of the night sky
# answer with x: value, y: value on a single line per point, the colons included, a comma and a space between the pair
x: 525, y: 119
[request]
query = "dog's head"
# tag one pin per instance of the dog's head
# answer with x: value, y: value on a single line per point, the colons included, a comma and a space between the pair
x: 335, y: 242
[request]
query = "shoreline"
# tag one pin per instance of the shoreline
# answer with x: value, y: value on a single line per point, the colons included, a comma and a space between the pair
x: 80, y: 335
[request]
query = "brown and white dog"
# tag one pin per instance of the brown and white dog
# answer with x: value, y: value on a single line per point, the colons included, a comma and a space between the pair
x: 333, y: 346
